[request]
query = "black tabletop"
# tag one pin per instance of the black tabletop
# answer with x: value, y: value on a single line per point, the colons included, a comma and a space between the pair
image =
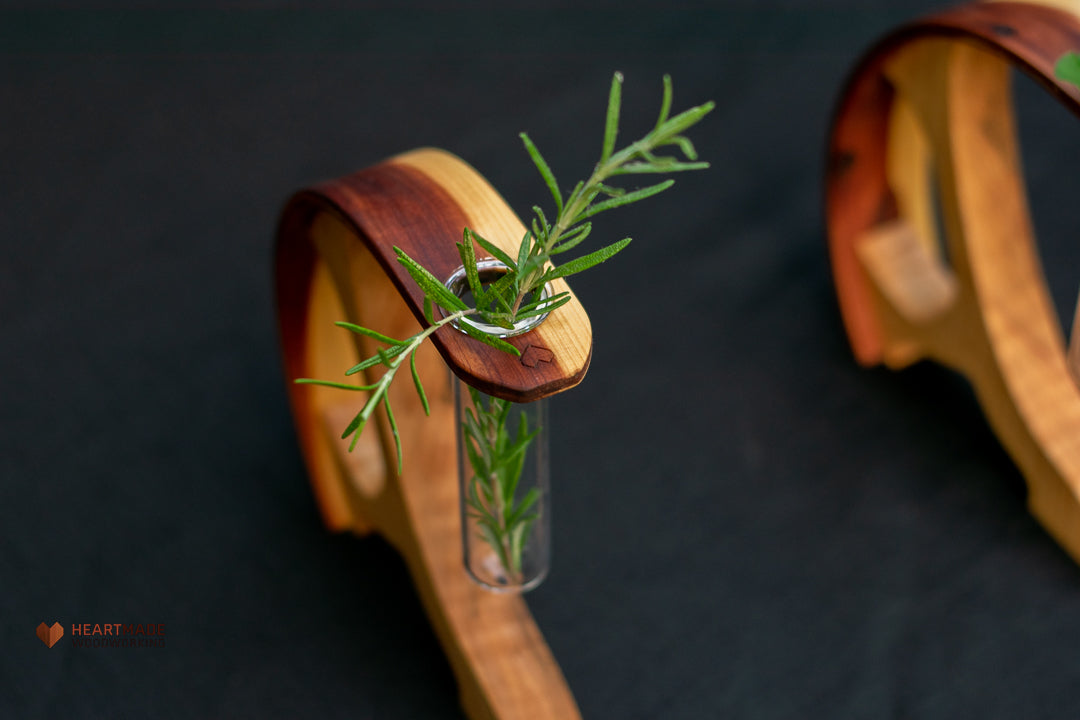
x: 746, y: 523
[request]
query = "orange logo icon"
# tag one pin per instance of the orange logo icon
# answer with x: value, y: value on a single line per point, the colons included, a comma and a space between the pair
x: 50, y: 635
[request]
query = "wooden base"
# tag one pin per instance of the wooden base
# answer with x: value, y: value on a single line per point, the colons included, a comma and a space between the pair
x: 335, y: 262
x: 929, y: 111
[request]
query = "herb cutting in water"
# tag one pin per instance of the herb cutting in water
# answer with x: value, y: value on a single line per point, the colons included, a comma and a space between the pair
x: 495, y: 442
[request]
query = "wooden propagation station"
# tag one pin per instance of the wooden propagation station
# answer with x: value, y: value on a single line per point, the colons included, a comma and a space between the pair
x: 933, y: 99
x: 335, y: 261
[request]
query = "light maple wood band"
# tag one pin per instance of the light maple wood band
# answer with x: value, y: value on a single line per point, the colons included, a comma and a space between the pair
x: 929, y: 111
x: 335, y: 261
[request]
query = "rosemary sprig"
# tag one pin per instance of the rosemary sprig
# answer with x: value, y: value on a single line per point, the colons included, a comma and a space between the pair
x: 516, y: 294
x: 497, y: 460
x: 392, y: 357
x: 534, y: 267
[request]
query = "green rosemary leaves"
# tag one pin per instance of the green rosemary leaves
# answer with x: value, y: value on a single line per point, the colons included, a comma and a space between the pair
x: 1067, y: 68
x: 497, y: 456
x: 516, y: 293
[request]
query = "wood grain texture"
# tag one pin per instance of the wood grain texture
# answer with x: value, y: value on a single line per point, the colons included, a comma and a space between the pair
x: 421, y: 202
x: 335, y: 261
x: 929, y: 110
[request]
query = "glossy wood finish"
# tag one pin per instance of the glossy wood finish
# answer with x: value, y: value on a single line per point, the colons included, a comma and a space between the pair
x: 421, y: 202
x: 929, y: 110
x: 335, y: 261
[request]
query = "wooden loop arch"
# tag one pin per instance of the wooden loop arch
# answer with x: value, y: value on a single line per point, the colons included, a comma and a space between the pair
x: 933, y: 100
x: 335, y: 261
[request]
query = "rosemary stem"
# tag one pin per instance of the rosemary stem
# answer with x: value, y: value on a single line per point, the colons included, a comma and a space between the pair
x: 577, y: 204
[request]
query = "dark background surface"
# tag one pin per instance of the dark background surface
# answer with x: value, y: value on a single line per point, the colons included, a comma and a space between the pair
x: 747, y: 525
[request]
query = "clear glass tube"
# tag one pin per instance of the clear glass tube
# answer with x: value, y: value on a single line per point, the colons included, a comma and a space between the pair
x: 504, y: 489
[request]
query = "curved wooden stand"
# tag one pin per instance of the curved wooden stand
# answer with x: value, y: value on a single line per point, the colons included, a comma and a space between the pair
x: 933, y: 100
x: 335, y: 261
